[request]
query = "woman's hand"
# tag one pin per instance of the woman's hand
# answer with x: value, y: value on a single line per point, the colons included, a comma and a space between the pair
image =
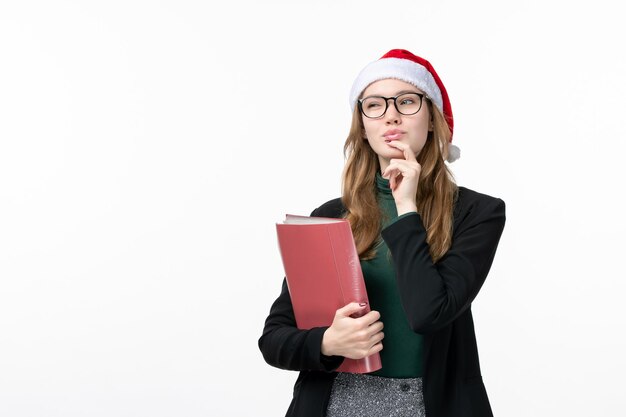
x: 353, y: 338
x: 403, y: 176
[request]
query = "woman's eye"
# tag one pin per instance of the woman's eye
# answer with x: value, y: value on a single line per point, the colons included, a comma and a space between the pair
x: 407, y: 101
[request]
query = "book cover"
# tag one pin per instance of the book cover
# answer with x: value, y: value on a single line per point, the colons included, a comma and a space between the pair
x: 323, y: 274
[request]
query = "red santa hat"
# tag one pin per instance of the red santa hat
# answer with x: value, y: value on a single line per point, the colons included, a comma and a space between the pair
x: 403, y: 65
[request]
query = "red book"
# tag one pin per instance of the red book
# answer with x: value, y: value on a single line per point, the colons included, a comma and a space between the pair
x: 323, y: 274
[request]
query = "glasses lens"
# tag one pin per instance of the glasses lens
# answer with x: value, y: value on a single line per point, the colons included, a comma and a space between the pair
x: 409, y: 103
x: 373, y: 106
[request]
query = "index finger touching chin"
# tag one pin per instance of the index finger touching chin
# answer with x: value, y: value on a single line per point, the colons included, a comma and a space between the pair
x: 409, y: 155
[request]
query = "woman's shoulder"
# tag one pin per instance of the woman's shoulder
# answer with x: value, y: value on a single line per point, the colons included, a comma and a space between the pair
x: 332, y: 208
x: 469, y: 196
x: 474, y: 205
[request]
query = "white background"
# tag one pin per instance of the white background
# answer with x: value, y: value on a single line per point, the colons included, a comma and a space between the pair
x: 147, y: 148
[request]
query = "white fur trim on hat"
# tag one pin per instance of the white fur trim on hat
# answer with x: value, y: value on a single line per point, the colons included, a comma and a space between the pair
x: 401, y: 69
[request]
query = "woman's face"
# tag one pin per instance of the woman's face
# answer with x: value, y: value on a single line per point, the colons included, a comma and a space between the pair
x: 412, y: 129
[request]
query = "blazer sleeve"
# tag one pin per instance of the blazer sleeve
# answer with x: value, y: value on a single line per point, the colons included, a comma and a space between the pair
x: 435, y: 294
x: 285, y: 346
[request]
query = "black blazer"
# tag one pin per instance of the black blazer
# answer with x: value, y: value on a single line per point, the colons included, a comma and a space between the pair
x: 436, y: 299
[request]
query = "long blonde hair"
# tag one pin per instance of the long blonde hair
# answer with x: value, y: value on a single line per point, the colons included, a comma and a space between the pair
x: 436, y: 191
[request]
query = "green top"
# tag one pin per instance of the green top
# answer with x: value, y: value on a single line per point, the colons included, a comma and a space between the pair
x: 402, y: 352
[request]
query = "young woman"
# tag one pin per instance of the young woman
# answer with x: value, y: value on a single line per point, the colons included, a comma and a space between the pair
x: 426, y: 246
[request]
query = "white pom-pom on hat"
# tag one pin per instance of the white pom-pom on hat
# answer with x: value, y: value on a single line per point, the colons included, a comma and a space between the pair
x: 454, y: 153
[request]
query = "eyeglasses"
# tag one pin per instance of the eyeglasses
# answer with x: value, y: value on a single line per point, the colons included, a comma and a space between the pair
x: 376, y: 106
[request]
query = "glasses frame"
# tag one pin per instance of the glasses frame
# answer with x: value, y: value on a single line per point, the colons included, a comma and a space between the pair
x: 395, y: 104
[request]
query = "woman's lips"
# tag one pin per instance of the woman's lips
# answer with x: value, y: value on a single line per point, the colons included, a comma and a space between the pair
x: 393, y: 134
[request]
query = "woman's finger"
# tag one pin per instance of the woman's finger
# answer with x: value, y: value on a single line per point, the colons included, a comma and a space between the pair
x: 402, y: 167
x: 405, y: 148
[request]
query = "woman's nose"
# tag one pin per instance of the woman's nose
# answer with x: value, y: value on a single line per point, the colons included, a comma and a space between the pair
x: 392, y: 115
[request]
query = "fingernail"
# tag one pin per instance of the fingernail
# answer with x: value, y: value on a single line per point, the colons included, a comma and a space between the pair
x: 362, y: 304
